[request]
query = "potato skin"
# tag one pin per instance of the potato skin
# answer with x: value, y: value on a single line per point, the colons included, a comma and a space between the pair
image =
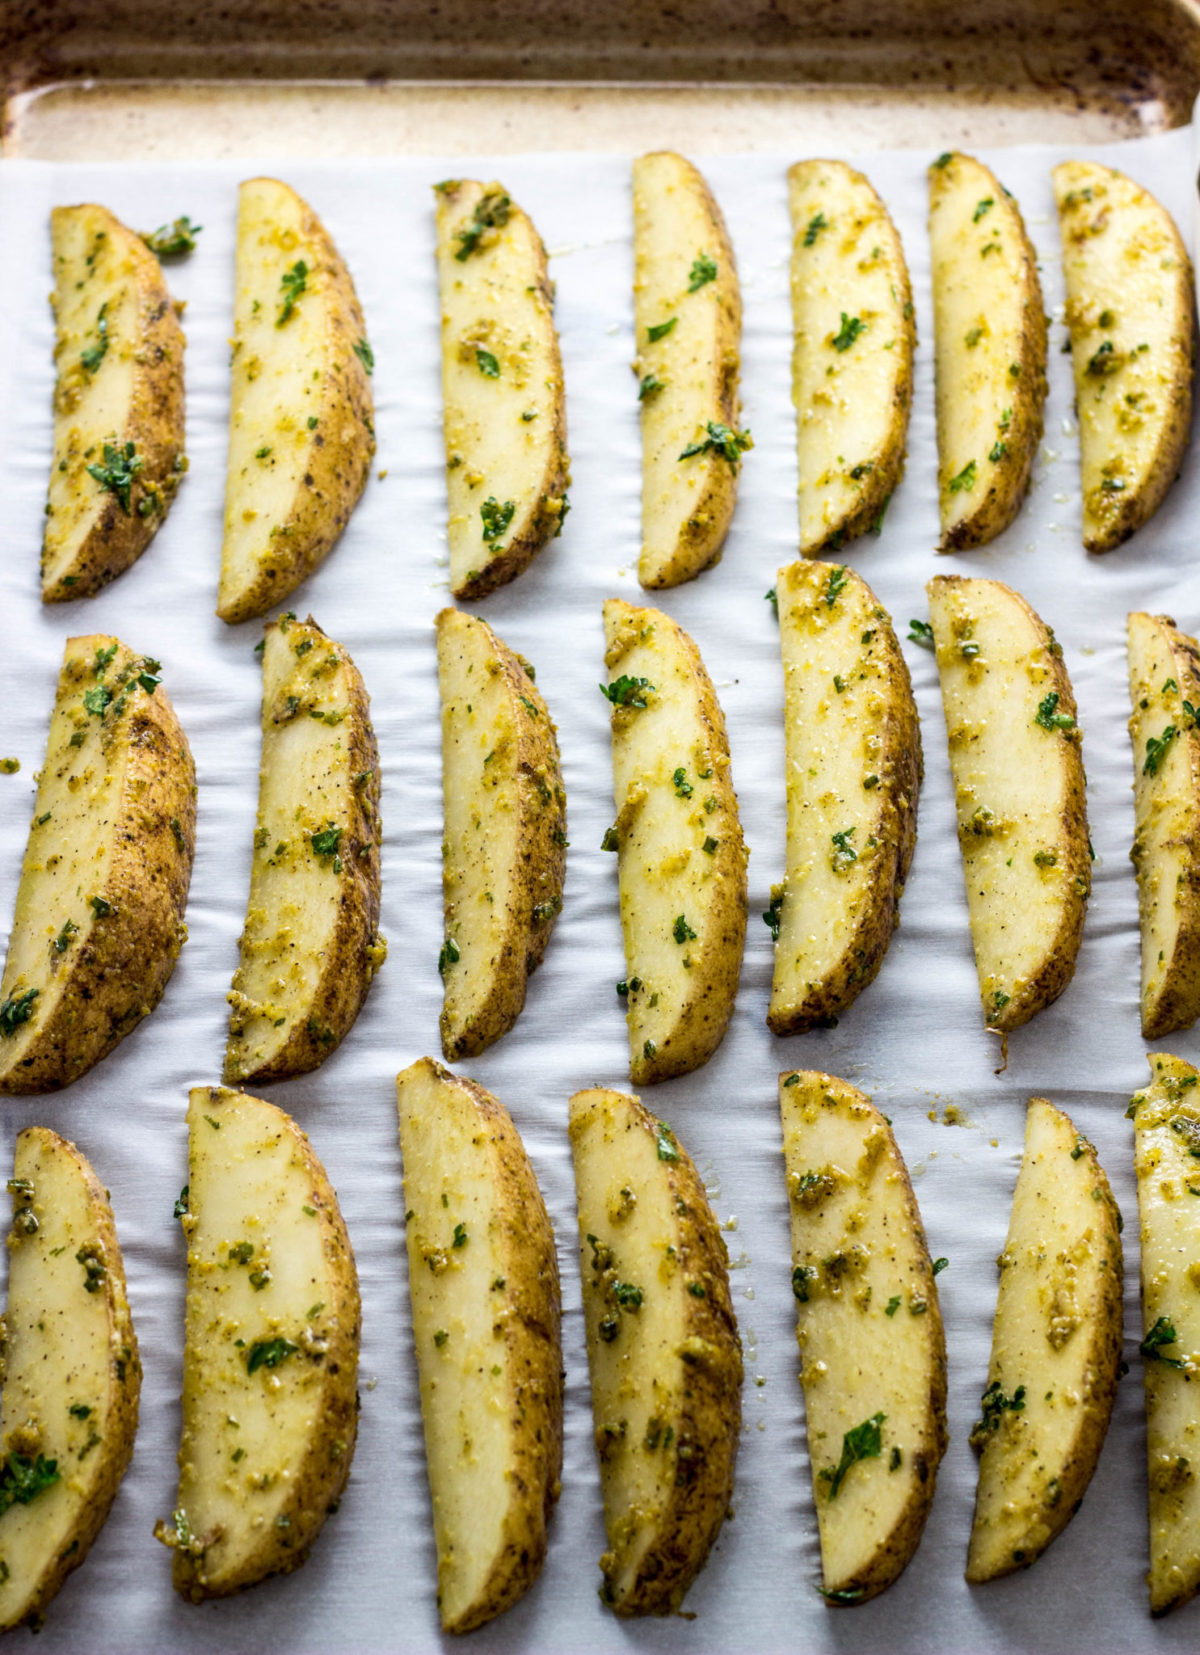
x: 349, y: 964
x: 155, y: 424
x: 543, y: 864
x: 118, y: 974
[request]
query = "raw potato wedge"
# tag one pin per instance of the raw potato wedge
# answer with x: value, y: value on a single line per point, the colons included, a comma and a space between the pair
x: 72, y: 1376
x: 1056, y: 1349
x: 505, y: 410
x: 854, y: 769
x: 1164, y: 688
x: 1131, y: 309
x: 270, y: 1360
x: 504, y: 854
x: 99, y: 914
x: 301, y: 427
x: 989, y: 351
x: 870, y: 1334
x: 1019, y: 786
x: 852, y: 360
x: 687, y: 312
x: 663, y: 1350
x: 1166, y: 1131
x: 118, y: 403
x: 311, y: 944
x: 486, y: 1309
x: 681, y: 855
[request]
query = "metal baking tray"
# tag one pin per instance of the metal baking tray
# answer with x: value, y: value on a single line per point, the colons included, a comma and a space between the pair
x: 117, y: 79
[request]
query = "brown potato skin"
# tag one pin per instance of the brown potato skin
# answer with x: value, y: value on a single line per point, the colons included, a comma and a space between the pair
x: 349, y: 970
x: 116, y: 1449
x: 320, y: 1479
x: 155, y: 424
x: 119, y: 973
x: 342, y: 450
x: 543, y: 811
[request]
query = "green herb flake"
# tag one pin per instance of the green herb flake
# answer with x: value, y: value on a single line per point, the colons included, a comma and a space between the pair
x: 844, y: 853
x: 269, y: 1353
x: 448, y: 956
x: 851, y: 328
x: 665, y: 1143
x: 660, y: 330
x: 487, y: 364
x: 893, y: 1305
x: 720, y: 439
x: 180, y: 1209
x: 22, y: 1479
x: 116, y: 474
x: 964, y: 482
x: 1151, y: 1347
x: 920, y: 632
x: 682, y: 931
x: 703, y: 271
x: 1048, y: 716
x: 1157, y: 748
x: 683, y: 787
x: 491, y: 213
x: 365, y: 355
x: 982, y: 207
x: 294, y: 283
x: 863, y: 1442
x: 650, y: 385
x: 496, y: 518
x: 628, y: 692
x: 174, y: 240
x: 816, y: 224
x: 15, y: 1010
x: 92, y: 357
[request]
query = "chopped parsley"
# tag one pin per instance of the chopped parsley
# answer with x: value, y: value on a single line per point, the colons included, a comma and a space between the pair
x: 101, y: 906
x: 834, y: 585
x: 651, y: 384
x: 920, y: 632
x: 816, y: 224
x: 269, y: 1353
x: 981, y: 207
x: 1157, y: 748
x: 491, y: 213
x: 628, y: 692
x: 850, y: 329
x: 844, y: 852
x: 665, y: 1143
x: 116, y: 474
x: 175, y: 240
x: 365, y: 355
x: 720, y: 439
x: 682, y: 931
x: 863, y: 1442
x: 683, y: 787
x: 496, y: 517
x: 660, y: 330
x: 801, y: 1276
x: 1151, y: 1347
x: 294, y: 283
x: 17, y: 1009
x: 1048, y: 716
x: 703, y: 271
x: 325, y: 843
x: 95, y: 354
x: 448, y: 956
x: 180, y: 1209
x: 964, y: 482
x: 772, y: 597
x: 97, y: 699
x: 21, y: 1479
x: 63, y: 940
x: 487, y: 364
x: 772, y: 915
x: 994, y: 1405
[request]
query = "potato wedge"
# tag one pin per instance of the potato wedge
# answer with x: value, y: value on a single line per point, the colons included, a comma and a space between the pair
x: 99, y: 914
x: 989, y: 325
x: 505, y: 410
x: 663, y: 1350
x: 874, y: 1380
x: 311, y: 944
x: 301, y: 427
x: 1018, y: 781
x: 1131, y: 309
x: 72, y: 1375
x: 1056, y: 1349
x: 854, y: 770
x: 504, y: 855
x: 1164, y: 688
x: 270, y: 1360
x: 1166, y: 1132
x: 687, y: 312
x: 682, y: 858
x: 118, y: 403
x: 486, y: 1309
x: 852, y: 360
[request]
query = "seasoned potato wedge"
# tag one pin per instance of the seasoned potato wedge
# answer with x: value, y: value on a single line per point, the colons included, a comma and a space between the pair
x: 311, y: 944
x: 1056, y: 1349
x: 301, y: 431
x: 1131, y: 309
x: 1166, y: 1131
x: 852, y: 361
x: 853, y: 773
x: 270, y: 1358
x: 118, y: 403
x: 504, y: 854
x: 1164, y: 688
x: 989, y: 351
x: 682, y: 858
x: 486, y: 1309
x: 1019, y: 785
x: 687, y: 312
x: 72, y: 1376
x: 663, y: 1350
x: 99, y: 915
x: 505, y: 409
x: 869, y: 1330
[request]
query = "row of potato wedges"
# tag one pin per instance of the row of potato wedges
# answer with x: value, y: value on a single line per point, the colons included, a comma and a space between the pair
x: 301, y: 428
x: 273, y: 1325
x: 100, y: 905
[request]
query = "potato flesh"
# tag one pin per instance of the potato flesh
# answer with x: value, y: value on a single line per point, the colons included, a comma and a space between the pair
x: 280, y: 377
x: 834, y: 745
x: 244, y: 1434
x: 495, y: 301
x: 1130, y: 311
x: 847, y: 400
x: 1011, y: 778
x: 1059, y: 1295
x: 462, y: 1352
x: 1168, y: 1174
x: 59, y: 1355
x: 305, y: 787
x: 68, y: 856
x: 94, y: 271
x: 665, y: 872
x: 696, y: 361
x: 1167, y: 812
x: 857, y: 1359
x: 981, y: 296
x: 637, y: 1377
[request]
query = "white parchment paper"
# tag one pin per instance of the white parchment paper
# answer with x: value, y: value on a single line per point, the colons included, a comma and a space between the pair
x: 914, y: 1039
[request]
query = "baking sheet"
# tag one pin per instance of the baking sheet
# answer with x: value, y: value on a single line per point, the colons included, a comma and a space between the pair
x: 913, y: 1040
